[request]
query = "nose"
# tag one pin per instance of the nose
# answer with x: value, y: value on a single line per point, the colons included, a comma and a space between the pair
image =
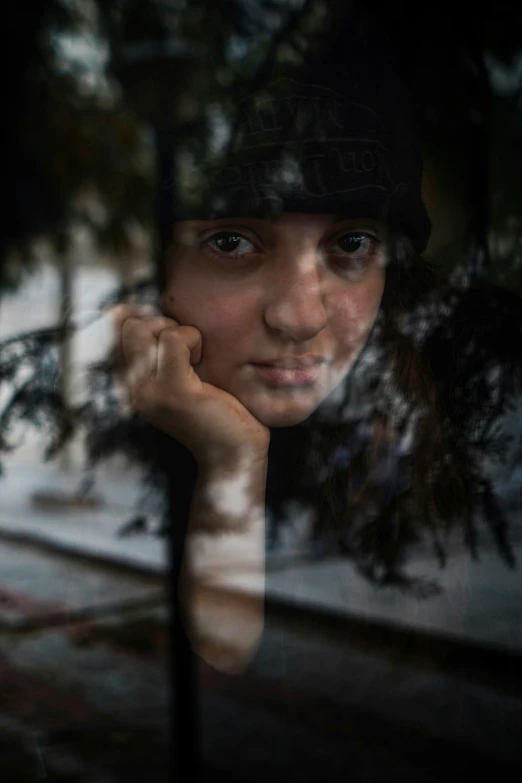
x: 294, y: 304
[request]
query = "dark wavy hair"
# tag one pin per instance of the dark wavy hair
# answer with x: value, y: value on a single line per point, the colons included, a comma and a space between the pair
x: 399, y: 464
x: 373, y: 472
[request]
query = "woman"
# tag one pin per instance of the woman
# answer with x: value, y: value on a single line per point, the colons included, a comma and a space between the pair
x: 287, y: 361
x: 288, y: 305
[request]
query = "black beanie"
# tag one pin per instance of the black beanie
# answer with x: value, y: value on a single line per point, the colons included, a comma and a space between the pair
x: 341, y: 142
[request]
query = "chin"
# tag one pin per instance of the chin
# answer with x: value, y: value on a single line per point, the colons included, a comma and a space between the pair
x: 274, y: 419
x: 282, y: 410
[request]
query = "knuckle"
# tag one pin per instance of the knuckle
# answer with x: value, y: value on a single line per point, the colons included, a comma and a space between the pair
x: 171, y: 342
x: 122, y: 313
x: 170, y: 331
x: 129, y: 325
x: 135, y: 330
x: 118, y: 310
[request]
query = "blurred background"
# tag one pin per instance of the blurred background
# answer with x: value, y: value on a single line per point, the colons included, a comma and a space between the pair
x: 104, y: 99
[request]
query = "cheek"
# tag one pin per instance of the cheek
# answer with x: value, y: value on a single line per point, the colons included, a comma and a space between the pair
x: 227, y: 330
x: 227, y: 327
x: 226, y: 323
x: 353, y: 313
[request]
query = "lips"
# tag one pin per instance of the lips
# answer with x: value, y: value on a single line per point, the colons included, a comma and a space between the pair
x: 288, y: 376
x: 291, y: 362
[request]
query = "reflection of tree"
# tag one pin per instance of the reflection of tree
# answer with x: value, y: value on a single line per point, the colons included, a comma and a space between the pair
x: 84, y: 144
x: 470, y: 122
x: 79, y: 158
x: 403, y: 473
x: 382, y: 470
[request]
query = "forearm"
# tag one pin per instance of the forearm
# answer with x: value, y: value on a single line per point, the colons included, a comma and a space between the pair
x: 223, y: 572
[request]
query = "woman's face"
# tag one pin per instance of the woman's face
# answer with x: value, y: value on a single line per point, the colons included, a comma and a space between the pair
x: 298, y: 291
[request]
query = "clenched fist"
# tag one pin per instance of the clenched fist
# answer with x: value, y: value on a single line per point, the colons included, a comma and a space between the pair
x: 156, y: 356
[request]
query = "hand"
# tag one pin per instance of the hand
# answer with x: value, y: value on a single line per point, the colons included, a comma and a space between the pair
x: 156, y: 356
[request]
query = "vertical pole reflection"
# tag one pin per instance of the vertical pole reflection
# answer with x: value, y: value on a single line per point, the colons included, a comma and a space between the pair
x: 185, y: 764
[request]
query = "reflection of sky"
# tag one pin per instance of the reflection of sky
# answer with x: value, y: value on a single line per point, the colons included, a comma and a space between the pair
x: 86, y: 50
x: 36, y: 305
x: 86, y: 55
x: 220, y: 129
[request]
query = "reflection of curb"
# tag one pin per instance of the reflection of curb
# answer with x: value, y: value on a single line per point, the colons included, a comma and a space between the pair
x: 57, y: 498
x: 124, y: 562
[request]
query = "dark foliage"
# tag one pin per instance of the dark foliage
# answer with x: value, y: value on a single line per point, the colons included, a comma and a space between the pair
x: 403, y: 458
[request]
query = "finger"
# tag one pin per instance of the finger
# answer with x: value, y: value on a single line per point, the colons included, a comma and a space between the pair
x: 154, y: 323
x: 158, y: 323
x: 178, y: 350
x: 139, y: 342
x: 119, y: 313
x: 194, y: 342
x: 138, y: 351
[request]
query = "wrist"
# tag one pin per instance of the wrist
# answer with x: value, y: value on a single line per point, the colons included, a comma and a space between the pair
x: 216, y: 463
x: 230, y: 495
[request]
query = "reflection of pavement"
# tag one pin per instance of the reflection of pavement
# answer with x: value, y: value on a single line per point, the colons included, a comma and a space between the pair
x: 88, y: 531
x: 87, y: 699
x: 91, y: 697
x: 323, y: 710
x: 479, y: 600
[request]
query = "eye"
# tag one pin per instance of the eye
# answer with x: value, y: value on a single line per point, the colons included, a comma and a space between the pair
x: 357, y: 244
x: 354, y: 251
x: 229, y: 243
